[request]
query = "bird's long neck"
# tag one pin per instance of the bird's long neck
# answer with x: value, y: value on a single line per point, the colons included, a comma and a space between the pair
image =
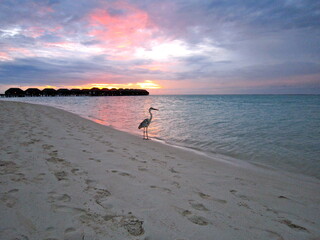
x: 150, y: 115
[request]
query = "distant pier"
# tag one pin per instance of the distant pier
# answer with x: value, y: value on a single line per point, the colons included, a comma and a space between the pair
x: 51, y: 92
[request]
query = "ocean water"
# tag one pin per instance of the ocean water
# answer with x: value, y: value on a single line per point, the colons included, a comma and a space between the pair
x: 279, y: 131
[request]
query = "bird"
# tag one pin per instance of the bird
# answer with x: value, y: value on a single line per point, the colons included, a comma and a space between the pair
x: 145, y: 124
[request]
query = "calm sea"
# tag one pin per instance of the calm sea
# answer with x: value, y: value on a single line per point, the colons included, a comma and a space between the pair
x: 280, y: 131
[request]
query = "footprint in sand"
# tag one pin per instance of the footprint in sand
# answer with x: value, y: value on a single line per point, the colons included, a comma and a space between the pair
x: 283, y: 197
x: 56, y: 197
x: 292, y: 225
x: 197, y: 206
x: 91, y: 183
x: 101, y: 197
x: 208, y: 197
x: 204, y: 196
x: 193, y: 218
x: 173, y: 171
x: 8, y: 200
x: 161, y: 163
x: 62, y: 175
x: 199, y: 220
x: 13, y: 190
x: 39, y: 178
x: 243, y: 204
x: 235, y: 193
x: 133, y: 159
x: 54, y: 153
x: 101, y: 194
x: 73, y: 234
x: 47, y: 146
x: 77, y: 171
x: 86, y: 151
x: 19, y: 177
x: 8, y: 167
x: 12, y: 233
x: 142, y: 169
x: 137, y: 160
x: 133, y: 225
x: 129, y: 222
x: 93, y: 159
x: 125, y: 174
x: 66, y: 209
x: 176, y: 184
x: 163, y: 189
x: 69, y: 230
x: 55, y: 160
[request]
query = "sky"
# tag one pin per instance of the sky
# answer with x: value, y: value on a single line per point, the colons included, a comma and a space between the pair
x: 164, y: 46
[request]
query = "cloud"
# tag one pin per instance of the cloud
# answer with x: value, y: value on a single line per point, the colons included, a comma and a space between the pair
x: 208, y: 43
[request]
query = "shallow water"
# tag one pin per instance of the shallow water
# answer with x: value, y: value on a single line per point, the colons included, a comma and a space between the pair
x: 281, y: 131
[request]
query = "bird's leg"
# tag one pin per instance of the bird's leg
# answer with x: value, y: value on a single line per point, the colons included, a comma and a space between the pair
x: 147, y: 133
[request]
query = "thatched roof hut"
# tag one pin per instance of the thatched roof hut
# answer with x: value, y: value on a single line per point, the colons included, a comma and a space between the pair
x: 49, y: 92
x: 63, y: 92
x: 76, y: 92
x: 33, y: 92
x: 85, y: 92
x: 14, y: 92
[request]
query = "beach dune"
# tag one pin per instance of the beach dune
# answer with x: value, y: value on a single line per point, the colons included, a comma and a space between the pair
x: 66, y: 177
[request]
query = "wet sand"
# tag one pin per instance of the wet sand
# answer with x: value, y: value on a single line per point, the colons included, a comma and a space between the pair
x: 65, y: 177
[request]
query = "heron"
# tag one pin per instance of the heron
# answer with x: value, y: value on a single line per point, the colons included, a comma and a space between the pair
x: 145, y: 124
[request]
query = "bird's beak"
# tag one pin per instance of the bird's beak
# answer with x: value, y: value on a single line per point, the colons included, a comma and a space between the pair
x: 156, y: 109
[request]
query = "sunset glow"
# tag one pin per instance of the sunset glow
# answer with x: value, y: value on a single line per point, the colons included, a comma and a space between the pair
x: 167, y: 47
x: 147, y: 84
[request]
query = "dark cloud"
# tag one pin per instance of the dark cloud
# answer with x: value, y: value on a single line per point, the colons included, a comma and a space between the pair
x: 250, y: 16
x: 116, y: 12
x: 278, y: 71
x: 47, y: 71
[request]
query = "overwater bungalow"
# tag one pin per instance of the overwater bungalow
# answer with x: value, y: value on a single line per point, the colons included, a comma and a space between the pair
x: 95, y: 92
x: 85, y: 92
x: 14, y: 92
x: 63, y: 92
x: 49, y: 92
x: 33, y: 92
x: 76, y: 92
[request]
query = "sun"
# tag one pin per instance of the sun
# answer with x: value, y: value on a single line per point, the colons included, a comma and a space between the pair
x: 148, y: 84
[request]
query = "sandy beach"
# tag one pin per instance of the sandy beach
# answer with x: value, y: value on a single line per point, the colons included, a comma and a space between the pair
x: 66, y: 177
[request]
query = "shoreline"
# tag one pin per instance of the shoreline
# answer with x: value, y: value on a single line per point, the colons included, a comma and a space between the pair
x: 253, y: 166
x: 293, y: 164
x: 256, y: 166
x: 93, y: 181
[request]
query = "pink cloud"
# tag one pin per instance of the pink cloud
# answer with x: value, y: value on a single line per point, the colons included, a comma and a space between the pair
x: 20, y: 52
x: 41, y: 8
x: 5, y: 56
x: 122, y: 31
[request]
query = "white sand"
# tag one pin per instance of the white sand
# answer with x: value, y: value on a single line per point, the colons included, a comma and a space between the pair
x: 65, y: 177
